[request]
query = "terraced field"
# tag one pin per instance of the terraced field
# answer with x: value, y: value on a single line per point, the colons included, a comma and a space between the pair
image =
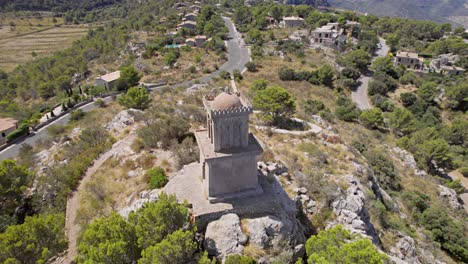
x: 19, y: 49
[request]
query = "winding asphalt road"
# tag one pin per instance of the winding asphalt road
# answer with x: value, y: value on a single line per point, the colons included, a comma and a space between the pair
x: 238, y: 56
x: 359, y: 96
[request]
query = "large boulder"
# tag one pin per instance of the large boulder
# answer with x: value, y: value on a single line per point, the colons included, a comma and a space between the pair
x: 405, y: 250
x: 224, y: 237
x: 124, y: 119
x: 266, y: 232
x: 450, y: 196
x: 409, y: 160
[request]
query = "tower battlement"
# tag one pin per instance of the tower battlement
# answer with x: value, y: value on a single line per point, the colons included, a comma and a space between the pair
x: 231, y: 111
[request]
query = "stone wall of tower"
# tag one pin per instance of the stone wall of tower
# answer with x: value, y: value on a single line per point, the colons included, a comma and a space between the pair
x: 229, y: 130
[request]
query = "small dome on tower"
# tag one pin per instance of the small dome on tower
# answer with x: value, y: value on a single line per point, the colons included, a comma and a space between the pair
x: 226, y: 101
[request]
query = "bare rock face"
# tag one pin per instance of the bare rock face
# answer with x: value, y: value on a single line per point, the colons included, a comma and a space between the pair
x: 409, y: 160
x: 123, y: 119
x: 224, y: 237
x: 450, y: 196
x: 268, y: 231
x: 351, y: 213
x: 405, y: 250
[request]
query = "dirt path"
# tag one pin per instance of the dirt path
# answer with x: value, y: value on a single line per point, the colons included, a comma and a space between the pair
x: 72, y: 229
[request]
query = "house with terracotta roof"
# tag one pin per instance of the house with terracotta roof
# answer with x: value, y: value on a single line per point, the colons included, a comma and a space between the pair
x: 7, y: 125
x: 108, y: 80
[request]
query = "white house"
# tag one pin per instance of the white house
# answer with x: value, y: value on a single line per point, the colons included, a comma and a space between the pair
x: 108, y: 80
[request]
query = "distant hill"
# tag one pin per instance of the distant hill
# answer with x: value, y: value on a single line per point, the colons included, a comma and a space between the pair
x: 54, y: 5
x: 436, y: 10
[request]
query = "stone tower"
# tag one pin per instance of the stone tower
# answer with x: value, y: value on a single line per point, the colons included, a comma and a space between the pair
x: 227, y: 150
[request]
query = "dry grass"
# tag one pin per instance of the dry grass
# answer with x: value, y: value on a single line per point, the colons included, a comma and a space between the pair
x: 181, y: 71
x: 254, y: 251
x: 25, y: 24
x: 18, y: 49
x: 395, y: 96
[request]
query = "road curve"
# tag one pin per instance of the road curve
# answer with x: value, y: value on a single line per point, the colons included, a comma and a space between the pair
x: 238, y: 56
x: 359, y: 95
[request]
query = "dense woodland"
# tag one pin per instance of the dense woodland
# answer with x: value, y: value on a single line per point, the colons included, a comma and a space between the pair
x: 430, y: 123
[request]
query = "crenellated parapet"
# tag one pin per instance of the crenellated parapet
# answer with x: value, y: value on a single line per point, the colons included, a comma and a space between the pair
x: 235, y: 111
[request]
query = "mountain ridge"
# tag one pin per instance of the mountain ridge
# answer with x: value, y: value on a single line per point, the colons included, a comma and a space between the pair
x: 454, y: 11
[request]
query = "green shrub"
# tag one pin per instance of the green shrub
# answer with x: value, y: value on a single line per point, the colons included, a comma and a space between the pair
x: 225, y: 75
x: 22, y: 130
x: 136, y: 97
x: 456, y: 185
x: 156, y: 177
x: 192, y: 69
x: 237, y: 75
x: 338, y: 245
x: 384, y: 171
x: 77, y: 114
x: 463, y: 171
x: 100, y: 103
x: 313, y: 107
x: 251, y: 66
x: 416, y: 201
x: 449, y: 233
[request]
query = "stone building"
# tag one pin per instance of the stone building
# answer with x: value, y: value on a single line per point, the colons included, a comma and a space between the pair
x: 7, y: 125
x: 452, y: 70
x: 410, y: 60
x: 293, y: 21
x: 190, y: 42
x: 189, y: 25
x: 326, y: 35
x: 227, y: 150
x: 108, y: 80
x: 190, y: 17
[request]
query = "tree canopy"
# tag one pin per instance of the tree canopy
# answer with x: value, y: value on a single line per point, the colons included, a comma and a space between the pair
x: 275, y: 102
x: 136, y: 97
x: 337, y: 245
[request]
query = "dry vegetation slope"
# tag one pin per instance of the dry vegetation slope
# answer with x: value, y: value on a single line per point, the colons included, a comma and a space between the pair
x: 15, y: 50
x: 321, y: 164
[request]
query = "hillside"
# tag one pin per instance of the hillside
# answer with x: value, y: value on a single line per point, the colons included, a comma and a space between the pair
x: 435, y: 10
x: 54, y: 5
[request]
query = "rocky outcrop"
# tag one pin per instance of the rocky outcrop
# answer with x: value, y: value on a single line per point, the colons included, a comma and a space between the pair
x: 143, y: 197
x: 124, y: 119
x: 450, y: 196
x: 268, y: 231
x: 351, y: 213
x: 404, y: 250
x: 224, y: 237
x: 409, y: 160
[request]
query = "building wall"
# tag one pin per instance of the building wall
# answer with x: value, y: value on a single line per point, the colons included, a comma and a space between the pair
x: 101, y: 82
x: 230, y: 132
x: 408, y: 62
x: 293, y: 23
x: 4, y: 133
x: 231, y: 174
